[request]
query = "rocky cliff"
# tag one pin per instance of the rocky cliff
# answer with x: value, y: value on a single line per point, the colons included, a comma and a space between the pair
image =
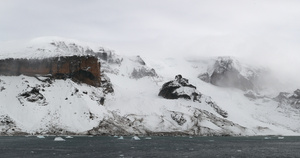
x: 229, y: 72
x: 85, y: 69
x: 291, y: 99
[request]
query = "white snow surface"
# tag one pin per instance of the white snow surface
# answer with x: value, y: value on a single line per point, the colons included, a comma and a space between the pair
x: 135, y: 106
x: 45, y: 47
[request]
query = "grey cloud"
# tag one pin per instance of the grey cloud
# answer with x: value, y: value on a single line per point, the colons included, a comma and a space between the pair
x: 256, y: 29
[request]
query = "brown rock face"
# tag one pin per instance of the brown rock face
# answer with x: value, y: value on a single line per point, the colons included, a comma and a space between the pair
x: 85, y: 69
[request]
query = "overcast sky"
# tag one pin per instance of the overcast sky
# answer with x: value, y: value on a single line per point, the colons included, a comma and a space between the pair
x: 248, y: 28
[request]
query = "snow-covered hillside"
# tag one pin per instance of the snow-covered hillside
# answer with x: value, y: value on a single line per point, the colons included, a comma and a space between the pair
x: 36, y: 106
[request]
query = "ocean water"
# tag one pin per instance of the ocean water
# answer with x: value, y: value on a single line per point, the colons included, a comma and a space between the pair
x: 106, y: 146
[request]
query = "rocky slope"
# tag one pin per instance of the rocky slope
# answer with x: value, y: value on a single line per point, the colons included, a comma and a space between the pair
x: 229, y: 72
x: 140, y: 96
x: 289, y: 99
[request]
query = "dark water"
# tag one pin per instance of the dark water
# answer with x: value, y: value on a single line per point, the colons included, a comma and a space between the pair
x: 105, y: 146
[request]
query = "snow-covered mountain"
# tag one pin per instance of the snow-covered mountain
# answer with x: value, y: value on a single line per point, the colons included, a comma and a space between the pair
x: 128, y: 102
x: 229, y: 72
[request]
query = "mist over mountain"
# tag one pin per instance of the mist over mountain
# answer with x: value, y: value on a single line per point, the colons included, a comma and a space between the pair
x: 144, y: 95
x: 259, y: 32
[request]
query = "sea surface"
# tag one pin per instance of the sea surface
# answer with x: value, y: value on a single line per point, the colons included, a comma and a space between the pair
x: 109, y: 146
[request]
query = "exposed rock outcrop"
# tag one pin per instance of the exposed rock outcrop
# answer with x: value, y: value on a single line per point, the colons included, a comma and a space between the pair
x: 142, y: 72
x: 85, y: 69
x: 106, y: 84
x: 178, y: 117
x: 181, y: 88
x: 292, y: 99
x: 227, y: 75
x: 33, y: 95
x: 8, y: 126
x: 108, y: 56
x: 172, y: 123
x: 228, y: 72
x: 110, y: 62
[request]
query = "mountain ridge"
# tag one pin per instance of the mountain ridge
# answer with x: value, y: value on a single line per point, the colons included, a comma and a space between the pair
x: 132, y: 105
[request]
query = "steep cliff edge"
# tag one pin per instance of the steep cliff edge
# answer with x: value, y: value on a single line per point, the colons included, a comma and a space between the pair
x: 82, y: 69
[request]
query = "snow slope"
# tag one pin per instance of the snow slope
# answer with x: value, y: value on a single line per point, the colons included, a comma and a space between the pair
x: 134, y: 107
x: 44, y: 47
